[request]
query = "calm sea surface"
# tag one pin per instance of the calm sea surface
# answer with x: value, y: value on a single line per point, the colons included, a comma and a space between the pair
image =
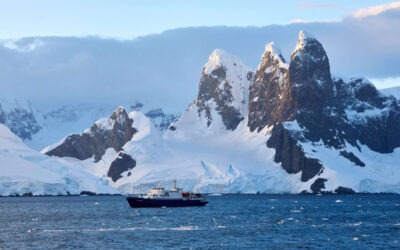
x: 228, y: 221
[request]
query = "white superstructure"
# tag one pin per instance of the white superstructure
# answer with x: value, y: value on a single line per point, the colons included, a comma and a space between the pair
x: 174, y: 194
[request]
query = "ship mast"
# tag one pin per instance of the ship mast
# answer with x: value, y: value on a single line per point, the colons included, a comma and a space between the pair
x: 174, y: 181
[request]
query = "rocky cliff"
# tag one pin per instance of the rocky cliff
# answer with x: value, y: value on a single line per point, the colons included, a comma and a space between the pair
x: 111, y: 132
x: 224, y: 87
x: 328, y: 110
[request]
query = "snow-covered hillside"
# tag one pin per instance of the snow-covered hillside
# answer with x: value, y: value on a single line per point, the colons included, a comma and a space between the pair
x: 205, y: 162
x: 40, y: 128
x: 26, y: 171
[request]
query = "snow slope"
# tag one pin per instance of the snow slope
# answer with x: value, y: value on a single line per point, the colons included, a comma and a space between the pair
x: 205, y: 162
x: 235, y: 161
x: 23, y: 170
x: 40, y: 128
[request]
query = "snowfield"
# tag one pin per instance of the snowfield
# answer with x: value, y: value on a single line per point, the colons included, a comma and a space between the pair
x: 24, y: 170
x: 230, y: 162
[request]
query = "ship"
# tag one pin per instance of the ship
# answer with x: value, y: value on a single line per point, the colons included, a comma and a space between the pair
x: 159, y: 197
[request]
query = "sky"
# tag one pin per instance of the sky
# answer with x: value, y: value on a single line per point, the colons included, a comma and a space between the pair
x: 125, y: 19
x: 55, y: 53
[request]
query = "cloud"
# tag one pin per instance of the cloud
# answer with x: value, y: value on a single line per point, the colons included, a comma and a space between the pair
x: 311, y: 5
x: 375, y: 10
x: 386, y: 82
x: 314, y: 21
x: 165, y: 68
x: 21, y: 45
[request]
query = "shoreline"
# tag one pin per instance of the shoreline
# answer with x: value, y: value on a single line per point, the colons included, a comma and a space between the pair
x: 85, y: 194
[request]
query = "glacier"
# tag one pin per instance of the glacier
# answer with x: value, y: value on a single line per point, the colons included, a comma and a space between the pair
x: 26, y: 171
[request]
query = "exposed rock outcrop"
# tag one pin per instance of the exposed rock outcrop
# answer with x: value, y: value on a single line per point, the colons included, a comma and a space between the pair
x: 21, y: 121
x: 291, y: 155
x: 318, y: 186
x: 224, y: 87
x: 270, y: 99
x: 344, y: 190
x: 3, y: 115
x: 122, y: 163
x: 111, y: 132
x: 323, y: 108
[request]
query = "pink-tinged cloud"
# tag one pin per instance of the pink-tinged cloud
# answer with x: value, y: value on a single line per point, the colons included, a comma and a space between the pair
x: 375, y: 10
x: 311, y: 5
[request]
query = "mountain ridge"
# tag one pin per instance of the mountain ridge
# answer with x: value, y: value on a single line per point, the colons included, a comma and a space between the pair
x: 287, y: 127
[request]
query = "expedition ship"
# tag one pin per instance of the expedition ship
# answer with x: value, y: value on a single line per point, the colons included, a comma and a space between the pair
x: 159, y: 197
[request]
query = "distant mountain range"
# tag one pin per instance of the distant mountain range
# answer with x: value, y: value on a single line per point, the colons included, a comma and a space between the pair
x: 39, y: 128
x: 286, y: 127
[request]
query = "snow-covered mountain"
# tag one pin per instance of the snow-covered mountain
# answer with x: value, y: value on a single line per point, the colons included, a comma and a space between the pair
x: 40, y: 128
x: 111, y: 132
x: 24, y: 171
x: 20, y: 117
x: 285, y: 127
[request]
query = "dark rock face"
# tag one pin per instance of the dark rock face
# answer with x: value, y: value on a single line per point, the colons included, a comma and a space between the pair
x: 337, y: 111
x: 318, y: 185
x: 21, y: 122
x: 3, y: 115
x: 352, y: 158
x: 209, y: 90
x: 324, y: 108
x: 290, y: 155
x: 270, y: 99
x: 112, y: 132
x: 89, y: 193
x: 122, y: 163
x: 344, y: 190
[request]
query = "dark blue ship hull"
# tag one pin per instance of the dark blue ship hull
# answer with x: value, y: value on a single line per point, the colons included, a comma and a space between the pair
x: 136, y: 202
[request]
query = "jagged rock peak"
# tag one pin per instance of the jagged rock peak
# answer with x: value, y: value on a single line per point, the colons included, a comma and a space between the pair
x: 303, y: 39
x: 223, y: 88
x: 118, y: 112
x: 269, y: 94
x: 119, y: 115
x: 304, y: 42
x: 308, y: 47
x: 272, y: 50
x: 109, y: 132
x: 309, y: 62
x: 271, y: 61
x: 220, y: 58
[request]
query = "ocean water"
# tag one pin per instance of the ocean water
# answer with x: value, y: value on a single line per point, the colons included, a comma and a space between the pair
x: 227, y: 222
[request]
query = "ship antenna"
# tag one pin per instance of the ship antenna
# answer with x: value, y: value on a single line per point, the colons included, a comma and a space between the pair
x: 174, y: 181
